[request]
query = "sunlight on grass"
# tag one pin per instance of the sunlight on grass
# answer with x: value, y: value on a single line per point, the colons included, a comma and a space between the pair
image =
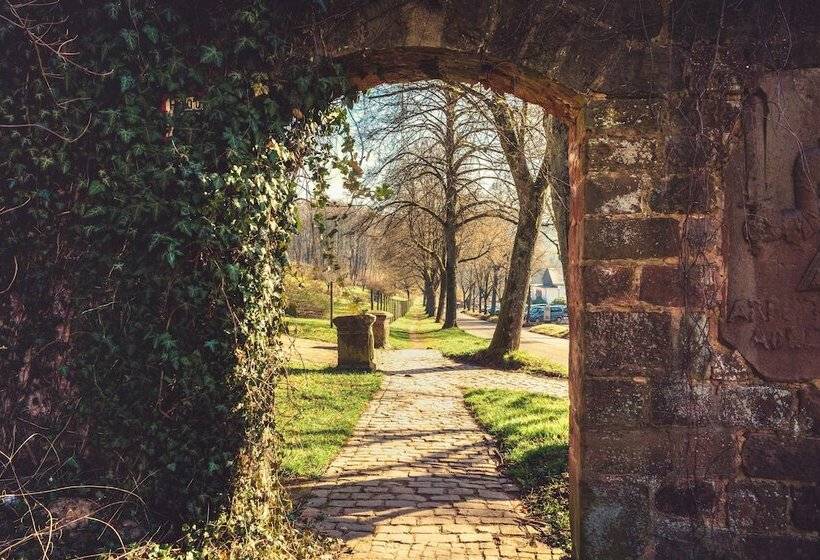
x: 321, y: 330
x: 532, y: 431
x: 463, y: 346
x: 549, y: 329
x: 519, y: 359
x: 316, y: 411
x: 312, y: 329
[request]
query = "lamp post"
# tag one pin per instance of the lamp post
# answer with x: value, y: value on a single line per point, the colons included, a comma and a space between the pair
x: 331, y: 303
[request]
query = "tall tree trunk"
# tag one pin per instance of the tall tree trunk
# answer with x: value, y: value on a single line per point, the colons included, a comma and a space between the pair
x: 507, y: 334
x: 442, y: 295
x: 429, y: 295
x: 495, y: 289
x: 451, y: 248
x: 559, y: 192
x: 450, y: 211
x: 531, y: 200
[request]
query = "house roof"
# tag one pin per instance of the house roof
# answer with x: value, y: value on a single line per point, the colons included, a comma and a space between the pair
x: 547, y: 277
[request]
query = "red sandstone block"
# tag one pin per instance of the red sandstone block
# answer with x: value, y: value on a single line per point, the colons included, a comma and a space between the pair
x: 782, y: 457
x: 686, y: 498
x: 628, y: 342
x: 659, y: 452
x: 779, y: 547
x: 757, y: 506
x: 615, y: 402
x: 613, y: 193
x: 614, y: 115
x: 690, y: 193
x: 809, y: 414
x: 743, y: 406
x: 602, y: 282
x: 631, y: 238
x: 615, y: 519
x: 621, y: 153
x: 806, y: 508
x: 662, y: 285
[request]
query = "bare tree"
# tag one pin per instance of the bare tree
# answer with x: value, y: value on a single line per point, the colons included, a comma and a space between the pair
x: 514, y: 125
x: 433, y: 148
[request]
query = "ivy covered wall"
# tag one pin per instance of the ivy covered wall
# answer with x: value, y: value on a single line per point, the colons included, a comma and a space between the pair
x: 141, y: 264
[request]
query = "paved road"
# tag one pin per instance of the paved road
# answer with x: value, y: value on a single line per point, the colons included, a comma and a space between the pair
x: 555, y: 349
x: 418, y: 478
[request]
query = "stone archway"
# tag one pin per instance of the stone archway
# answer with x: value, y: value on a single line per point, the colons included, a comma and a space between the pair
x: 661, y: 408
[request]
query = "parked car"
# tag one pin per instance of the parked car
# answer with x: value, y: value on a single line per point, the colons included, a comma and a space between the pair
x: 558, y: 313
x: 537, y: 313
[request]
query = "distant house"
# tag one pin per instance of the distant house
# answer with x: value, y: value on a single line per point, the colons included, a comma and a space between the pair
x: 546, y: 284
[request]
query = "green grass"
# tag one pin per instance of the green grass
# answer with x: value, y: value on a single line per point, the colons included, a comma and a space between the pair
x: 532, y: 431
x: 312, y: 329
x: 558, y: 331
x: 321, y: 330
x: 463, y: 346
x: 519, y: 359
x: 316, y: 411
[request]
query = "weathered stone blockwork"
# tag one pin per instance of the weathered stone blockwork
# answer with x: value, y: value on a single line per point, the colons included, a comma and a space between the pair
x: 680, y: 447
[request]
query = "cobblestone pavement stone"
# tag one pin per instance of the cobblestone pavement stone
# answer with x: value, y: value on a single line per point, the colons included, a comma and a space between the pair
x: 417, y: 479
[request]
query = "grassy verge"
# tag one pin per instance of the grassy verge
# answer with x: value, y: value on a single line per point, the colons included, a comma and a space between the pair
x: 321, y: 330
x: 316, y: 411
x: 463, y: 346
x: 532, y: 432
x: 558, y: 331
x: 482, y: 316
x: 312, y: 329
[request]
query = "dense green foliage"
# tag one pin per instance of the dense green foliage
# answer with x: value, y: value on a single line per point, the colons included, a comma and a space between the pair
x: 149, y: 253
x: 533, y: 433
x: 317, y: 409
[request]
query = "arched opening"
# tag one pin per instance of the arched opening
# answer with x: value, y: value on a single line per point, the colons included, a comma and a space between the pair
x: 411, y: 65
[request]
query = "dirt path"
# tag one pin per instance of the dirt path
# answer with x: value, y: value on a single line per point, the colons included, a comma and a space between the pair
x: 417, y: 479
x: 301, y: 351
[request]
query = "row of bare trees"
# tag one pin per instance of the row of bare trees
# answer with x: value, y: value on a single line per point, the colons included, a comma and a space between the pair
x: 459, y: 185
x: 464, y: 166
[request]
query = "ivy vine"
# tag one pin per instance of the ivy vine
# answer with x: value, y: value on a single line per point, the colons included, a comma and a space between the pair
x: 152, y: 242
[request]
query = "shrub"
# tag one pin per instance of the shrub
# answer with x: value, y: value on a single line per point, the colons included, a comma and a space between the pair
x: 304, y: 296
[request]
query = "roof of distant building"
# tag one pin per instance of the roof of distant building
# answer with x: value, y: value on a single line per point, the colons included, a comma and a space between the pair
x: 547, y: 277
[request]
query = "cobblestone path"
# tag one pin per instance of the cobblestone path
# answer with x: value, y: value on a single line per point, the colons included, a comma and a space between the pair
x: 417, y: 478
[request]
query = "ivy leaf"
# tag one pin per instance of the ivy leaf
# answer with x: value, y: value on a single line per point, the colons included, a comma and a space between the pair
x: 383, y: 192
x: 130, y: 38
x: 125, y: 134
x: 126, y: 82
x: 96, y: 187
x: 151, y: 32
x: 112, y: 9
x: 211, y: 55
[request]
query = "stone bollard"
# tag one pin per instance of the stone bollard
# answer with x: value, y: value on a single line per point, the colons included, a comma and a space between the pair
x: 381, y: 328
x: 355, y: 337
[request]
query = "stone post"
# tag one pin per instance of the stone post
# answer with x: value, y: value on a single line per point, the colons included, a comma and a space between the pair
x: 381, y: 328
x: 355, y: 337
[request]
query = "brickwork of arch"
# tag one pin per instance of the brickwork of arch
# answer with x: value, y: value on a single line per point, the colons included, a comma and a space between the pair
x: 679, y: 447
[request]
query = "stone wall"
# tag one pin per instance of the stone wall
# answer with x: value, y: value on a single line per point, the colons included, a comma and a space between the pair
x: 692, y: 435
